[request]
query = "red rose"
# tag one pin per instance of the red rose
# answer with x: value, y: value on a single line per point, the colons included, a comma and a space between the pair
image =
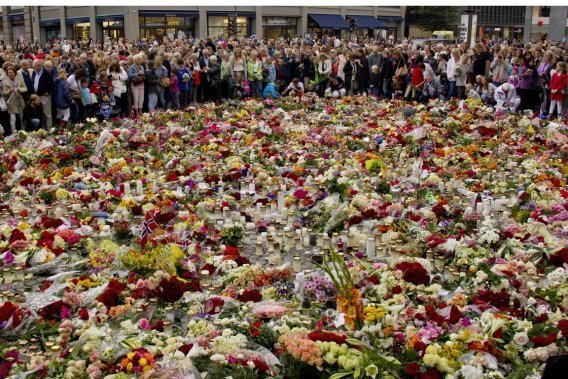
x: 322, y: 335
x: 397, y: 290
x: 83, y: 314
x: 231, y: 250
x: 541, y: 341
x: 419, y: 346
x: 563, y: 326
x: 412, y: 369
x: 80, y: 149
x: 250, y: 295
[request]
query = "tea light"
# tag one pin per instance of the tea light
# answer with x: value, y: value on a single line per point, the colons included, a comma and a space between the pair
x: 170, y: 314
x: 297, y: 264
x: 168, y: 327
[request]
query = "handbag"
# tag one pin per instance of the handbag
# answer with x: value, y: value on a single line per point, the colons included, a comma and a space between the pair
x: 164, y: 82
x: 3, y: 107
x: 401, y: 71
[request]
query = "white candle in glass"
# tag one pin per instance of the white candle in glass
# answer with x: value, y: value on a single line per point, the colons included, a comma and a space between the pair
x: 139, y: 187
x: 127, y: 187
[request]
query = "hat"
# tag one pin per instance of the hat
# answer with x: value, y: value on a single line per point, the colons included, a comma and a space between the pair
x: 506, y: 87
x: 515, y: 68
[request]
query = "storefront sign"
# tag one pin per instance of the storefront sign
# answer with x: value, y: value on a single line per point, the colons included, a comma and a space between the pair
x: 276, y: 21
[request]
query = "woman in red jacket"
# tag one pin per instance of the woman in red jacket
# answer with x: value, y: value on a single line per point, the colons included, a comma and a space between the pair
x: 558, y: 84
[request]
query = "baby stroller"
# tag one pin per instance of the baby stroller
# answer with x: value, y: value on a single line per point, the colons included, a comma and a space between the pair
x: 107, y: 104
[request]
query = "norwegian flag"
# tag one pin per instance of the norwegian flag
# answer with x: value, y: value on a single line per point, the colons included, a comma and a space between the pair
x: 148, y: 226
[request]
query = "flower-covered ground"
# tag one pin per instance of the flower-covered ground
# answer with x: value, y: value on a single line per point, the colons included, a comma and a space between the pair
x: 296, y: 239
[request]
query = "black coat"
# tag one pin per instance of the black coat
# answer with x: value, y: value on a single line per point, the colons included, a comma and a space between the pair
x: 33, y: 112
x: 46, y: 84
x: 214, y: 74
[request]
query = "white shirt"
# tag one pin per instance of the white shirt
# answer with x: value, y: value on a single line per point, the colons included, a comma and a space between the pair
x: 300, y: 85
x: 36, y: 80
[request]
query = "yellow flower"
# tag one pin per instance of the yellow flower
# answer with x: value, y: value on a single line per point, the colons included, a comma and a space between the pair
x: 23, y: 226
x: 129, y: 366
x: 61, y: 194
x: 130, y: 355
x: 142, y: 362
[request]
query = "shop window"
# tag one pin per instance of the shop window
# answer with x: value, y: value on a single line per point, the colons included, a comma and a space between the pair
x: 82, y: 30
x: 220, y: 25
x: 544, y: 12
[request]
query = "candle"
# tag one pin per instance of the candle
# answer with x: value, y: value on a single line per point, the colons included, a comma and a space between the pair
x: 139, y: 187
x: 371, y: 247
x: 251, y: 188
x: 297, y: 264
x: 58, y: 212
x: 126, y: 187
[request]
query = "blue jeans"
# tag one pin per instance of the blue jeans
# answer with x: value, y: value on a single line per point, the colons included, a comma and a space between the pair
x: 387, y: 88
x: 255, y: 88
x: 161, y: 98
x: 452, y: 89
x: 152, y: 102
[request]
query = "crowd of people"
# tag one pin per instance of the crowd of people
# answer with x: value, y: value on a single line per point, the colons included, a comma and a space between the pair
x: 66, y: 80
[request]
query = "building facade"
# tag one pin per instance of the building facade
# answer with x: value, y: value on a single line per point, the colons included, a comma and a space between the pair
x: 500, y: 22
x: 550, y: 22
x: 45, y: 23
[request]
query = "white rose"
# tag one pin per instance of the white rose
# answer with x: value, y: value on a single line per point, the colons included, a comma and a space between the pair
x: 521, y: 338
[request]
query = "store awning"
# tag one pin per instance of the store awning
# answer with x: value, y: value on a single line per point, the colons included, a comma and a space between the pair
x: 367, y: 22
x: 390, y: 18
x: 329, y: 21
x: 16, y: 17
x: 76, y: 20
x: 110, y: 17
x: 50, y: 22
x: 153, y: 13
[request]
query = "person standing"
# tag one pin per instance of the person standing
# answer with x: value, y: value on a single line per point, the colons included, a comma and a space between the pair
x: 137, y: 77
x: 214, y: 79
x: 558, y: 85
x: 24, y: 75
x: 14, y: 100
x: 63, y: 98
x: 43, y: 85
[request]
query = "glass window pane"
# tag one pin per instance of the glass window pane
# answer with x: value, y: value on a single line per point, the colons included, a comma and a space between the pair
x: 216, y: 21
x: 155, y: 21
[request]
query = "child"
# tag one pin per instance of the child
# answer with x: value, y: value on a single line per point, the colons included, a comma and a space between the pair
x: 514, y: 77
x: 240, y: 91
x: 174, y: 88
x: 558, y: 84
x: 471, y: 93
x: 271, y: 90
x: 374, y: 81
x: 86, y: 98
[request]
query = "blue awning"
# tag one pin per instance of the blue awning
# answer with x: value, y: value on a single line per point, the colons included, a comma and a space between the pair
x: 110, y: 17
x: 76, y: 20
x: 16, y: 17
x: 152, y: 13
x: 50, y: 22
x: 329, y: 21
x: 391, y: 18
x: 367, y: 22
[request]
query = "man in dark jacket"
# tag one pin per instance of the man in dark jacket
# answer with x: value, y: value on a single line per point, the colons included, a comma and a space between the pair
x: 43, y: 86
x: 214, y: 78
